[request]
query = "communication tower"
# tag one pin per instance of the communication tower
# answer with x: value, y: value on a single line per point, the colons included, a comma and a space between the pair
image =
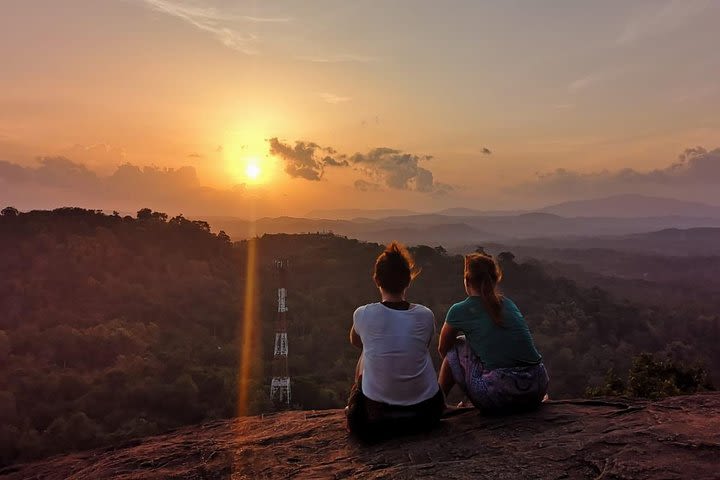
x: 280, y: 383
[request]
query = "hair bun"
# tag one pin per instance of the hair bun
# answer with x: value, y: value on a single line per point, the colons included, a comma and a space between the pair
x: 394, y: 268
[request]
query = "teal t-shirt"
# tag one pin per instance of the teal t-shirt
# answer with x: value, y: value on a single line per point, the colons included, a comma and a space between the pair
x: 506, y: 346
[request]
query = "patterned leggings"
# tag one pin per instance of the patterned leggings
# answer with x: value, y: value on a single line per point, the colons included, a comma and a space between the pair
x: 499, y: 389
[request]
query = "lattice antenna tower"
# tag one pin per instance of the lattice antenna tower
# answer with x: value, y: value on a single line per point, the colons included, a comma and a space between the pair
x: 280, y: 383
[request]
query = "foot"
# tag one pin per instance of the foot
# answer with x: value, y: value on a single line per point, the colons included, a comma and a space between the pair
x: 459, y: 406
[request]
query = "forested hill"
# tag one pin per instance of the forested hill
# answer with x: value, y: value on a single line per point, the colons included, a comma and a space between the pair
x: 118, y: 327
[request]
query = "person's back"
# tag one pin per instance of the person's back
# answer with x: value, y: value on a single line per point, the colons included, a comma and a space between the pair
x: 395, y: 385
x: 397, y: 368
x: 495, y: 362
x: 505, y: 345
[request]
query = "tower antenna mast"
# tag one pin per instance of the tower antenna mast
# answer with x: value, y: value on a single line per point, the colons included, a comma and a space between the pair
x: 280, y: 383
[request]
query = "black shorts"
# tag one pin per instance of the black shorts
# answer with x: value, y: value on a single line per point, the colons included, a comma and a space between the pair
x: 371, y: 420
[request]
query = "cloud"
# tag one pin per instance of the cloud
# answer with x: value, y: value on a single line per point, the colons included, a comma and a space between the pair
x: 695, y: 174
x: 51, y: 171
x: 331, y: 162
x: 306, y: 159
x: 145, y: 178
x: 333, y: 99
x: 672, y: 15
x: 56, y: 181
x: 365, y: 186
x: 96, y: 155
x: 338, y: 58
x: 600, y: 77
x: 226, y: 27
x: 696, y: 94
x: 195, y: 155
x: 587, y: 81
x: 442, y: 189
x: 392, y: 168
x: 486, y: 151
x: 396, y: 169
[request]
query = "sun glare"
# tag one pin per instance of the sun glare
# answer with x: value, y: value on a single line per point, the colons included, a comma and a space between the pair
x: 246, y: 157
x: 252, y: 170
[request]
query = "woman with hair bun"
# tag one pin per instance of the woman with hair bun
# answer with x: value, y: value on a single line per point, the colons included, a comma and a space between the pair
x: 495, y: 363
x: 396, y: 386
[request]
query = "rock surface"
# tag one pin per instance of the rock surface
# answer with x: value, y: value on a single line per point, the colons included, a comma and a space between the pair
x: 675, y: 438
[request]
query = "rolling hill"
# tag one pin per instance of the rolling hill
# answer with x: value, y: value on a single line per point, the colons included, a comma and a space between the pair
x: 632, y: 206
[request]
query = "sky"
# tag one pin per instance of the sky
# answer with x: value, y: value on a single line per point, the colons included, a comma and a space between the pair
x: 253, y: 108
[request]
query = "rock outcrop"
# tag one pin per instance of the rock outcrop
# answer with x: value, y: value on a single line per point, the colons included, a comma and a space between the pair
x: 675, y: 438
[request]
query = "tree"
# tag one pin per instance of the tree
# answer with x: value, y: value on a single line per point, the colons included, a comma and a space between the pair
x: 4, y: 346
x: 202, y: 225
x: 8, y: 443
x: 654, y: 379
x: 224, y: 236
x: 144, y: 214
x: 613, y: 386
x: 76, y: 431
x: 8, y: 408
x: 160, y: 216
x: 506, y: 257
x: 10, y: 212
x: 148, y: 214
x: 178, y: 220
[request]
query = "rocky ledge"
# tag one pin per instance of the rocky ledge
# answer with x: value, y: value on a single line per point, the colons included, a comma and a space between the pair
x: 604, y: 439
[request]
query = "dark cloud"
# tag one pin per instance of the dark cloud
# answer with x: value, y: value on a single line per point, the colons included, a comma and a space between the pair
x: 331, y: 162
x: 695, y: 174
x: 486, y: 151
x: 195, y: 155
x: 393, y: 168
x: 305, y: 159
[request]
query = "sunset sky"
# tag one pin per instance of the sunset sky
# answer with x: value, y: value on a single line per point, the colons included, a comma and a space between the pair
x: 403, y: 104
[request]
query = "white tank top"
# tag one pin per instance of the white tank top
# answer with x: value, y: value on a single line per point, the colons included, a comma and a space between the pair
x: 397, y: 368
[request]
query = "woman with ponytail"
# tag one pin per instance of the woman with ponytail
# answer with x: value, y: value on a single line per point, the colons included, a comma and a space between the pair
x: 495, y: 362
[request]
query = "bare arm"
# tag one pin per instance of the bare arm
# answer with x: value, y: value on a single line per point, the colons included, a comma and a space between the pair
x: 355, y: 339
x: 448, y: 335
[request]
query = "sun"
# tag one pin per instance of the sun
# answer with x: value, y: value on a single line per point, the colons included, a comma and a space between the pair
x: 253, y: 171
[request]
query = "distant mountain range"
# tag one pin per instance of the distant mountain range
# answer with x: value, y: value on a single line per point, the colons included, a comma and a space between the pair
x: 668, y: 242
x: 617, y: 206
x: 459, y: 231
x: 632, y: 206
x: 352, y: 213
x: 610, y: 216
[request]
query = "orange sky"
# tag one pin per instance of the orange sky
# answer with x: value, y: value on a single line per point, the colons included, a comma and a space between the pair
x: 206, y: 83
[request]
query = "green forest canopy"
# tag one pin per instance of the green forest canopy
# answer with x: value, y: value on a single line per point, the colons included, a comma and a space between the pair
x: 118, y: 327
